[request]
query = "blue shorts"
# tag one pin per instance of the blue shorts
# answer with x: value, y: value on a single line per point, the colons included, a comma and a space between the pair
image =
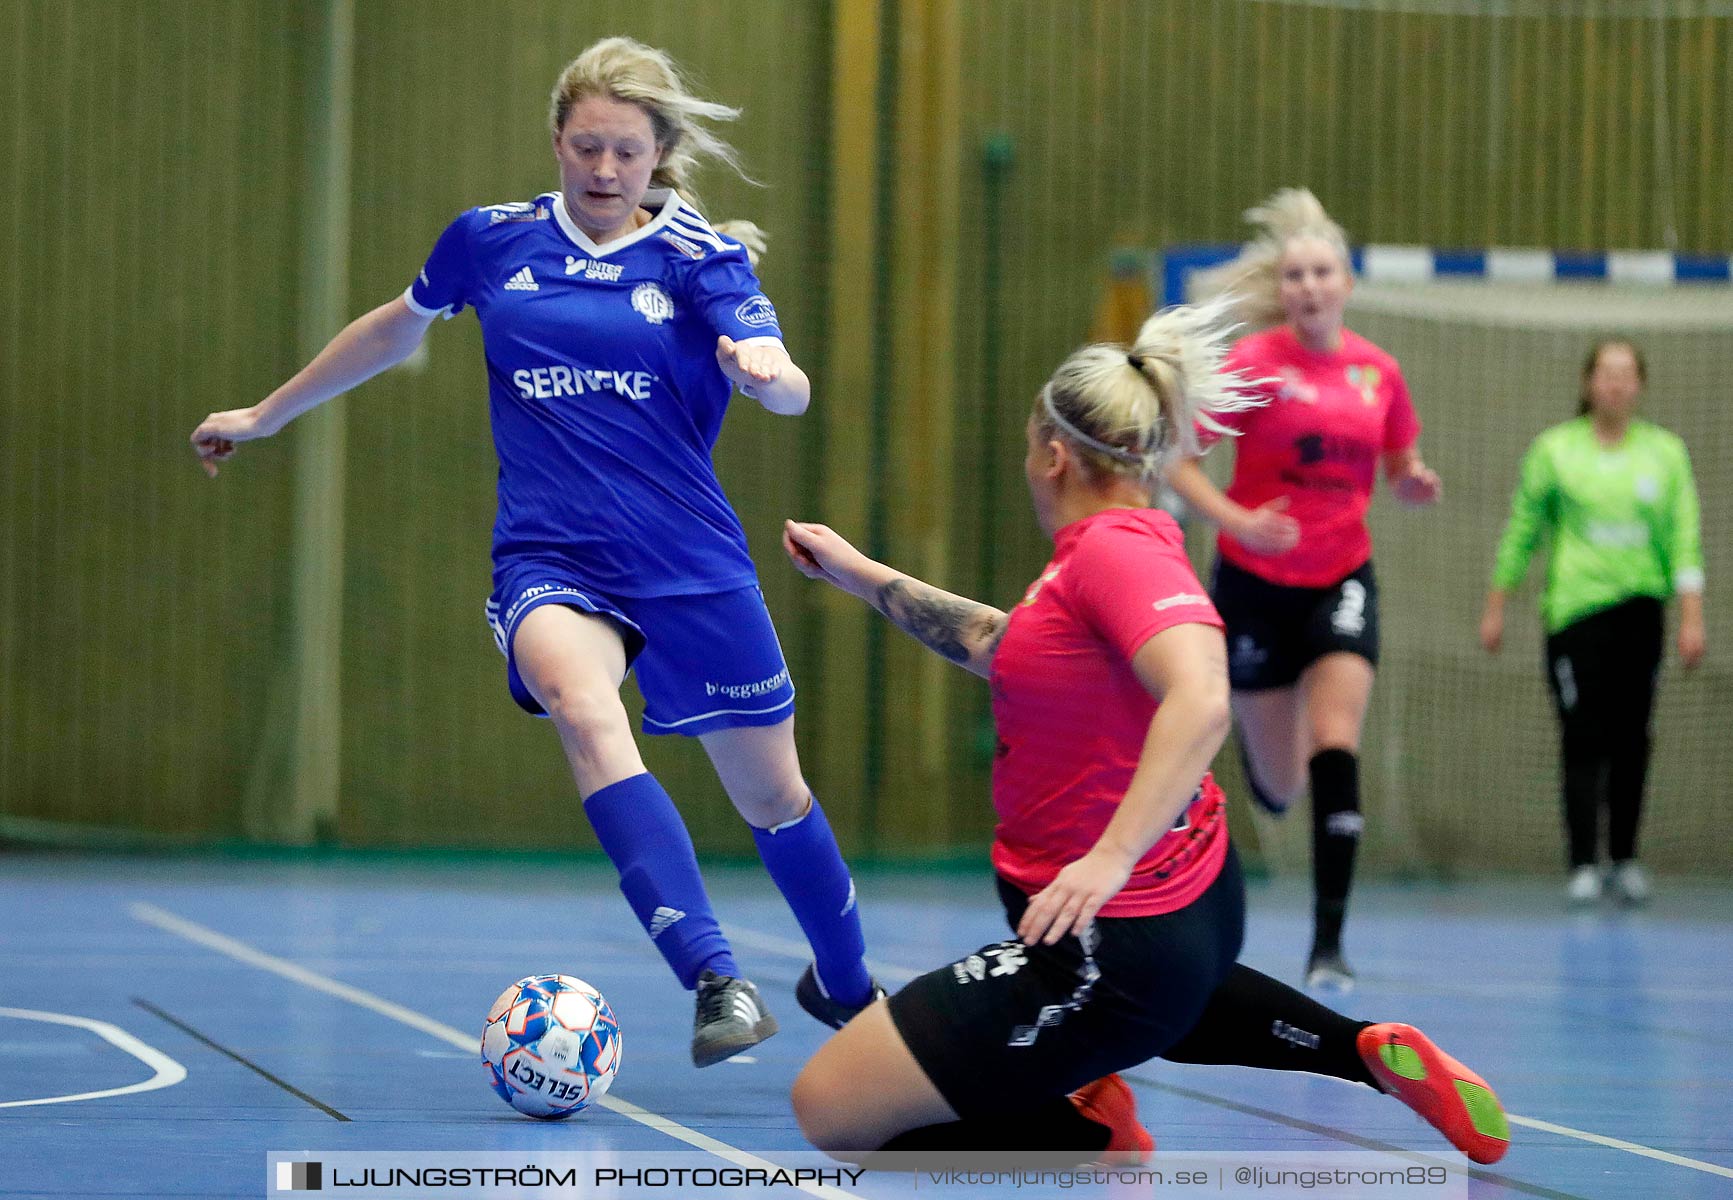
x: 704, y: 662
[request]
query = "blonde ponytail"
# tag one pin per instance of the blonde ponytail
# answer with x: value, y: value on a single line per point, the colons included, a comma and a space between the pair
x: 1134, y: 411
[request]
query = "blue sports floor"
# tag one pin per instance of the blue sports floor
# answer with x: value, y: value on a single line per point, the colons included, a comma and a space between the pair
x: 335, y: 1006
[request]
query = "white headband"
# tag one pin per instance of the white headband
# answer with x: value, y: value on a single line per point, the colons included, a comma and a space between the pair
x: 1121, y: 453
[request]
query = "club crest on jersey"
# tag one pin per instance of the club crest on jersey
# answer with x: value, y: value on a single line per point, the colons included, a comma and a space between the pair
x: 1365, y: 380
x: 605, y: 271
x: 653, y: 303
x: 689, y: 249
x: 756, y: 312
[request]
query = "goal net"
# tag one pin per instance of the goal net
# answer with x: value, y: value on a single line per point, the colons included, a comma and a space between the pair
x: 1460, y: 759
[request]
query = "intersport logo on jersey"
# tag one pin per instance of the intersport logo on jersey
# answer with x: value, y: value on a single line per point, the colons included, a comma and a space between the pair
x: 558, y: 379
x: 589, y: 268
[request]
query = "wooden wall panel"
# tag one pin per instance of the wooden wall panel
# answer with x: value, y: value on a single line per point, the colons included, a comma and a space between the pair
x: 148, y: 158
x: 151, y: 161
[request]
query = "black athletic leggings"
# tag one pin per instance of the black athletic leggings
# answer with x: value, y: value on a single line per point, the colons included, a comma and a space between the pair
x: 1004, y: 1033
x: 1602, y: 672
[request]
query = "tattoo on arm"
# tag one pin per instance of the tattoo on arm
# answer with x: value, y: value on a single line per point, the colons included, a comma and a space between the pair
x: 996, y: 634
x: 957, y: 628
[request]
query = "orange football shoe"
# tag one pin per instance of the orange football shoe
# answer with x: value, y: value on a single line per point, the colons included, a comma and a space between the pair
x: 1108, y: 1101
x: 1454, y: 1100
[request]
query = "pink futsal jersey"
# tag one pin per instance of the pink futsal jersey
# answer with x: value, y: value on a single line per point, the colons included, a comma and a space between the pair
x: 1072, y: 716
x: 1329, y: 421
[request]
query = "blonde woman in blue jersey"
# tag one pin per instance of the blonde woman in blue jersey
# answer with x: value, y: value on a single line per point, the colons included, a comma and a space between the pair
x: 617, y: 324
x: 1613, y: 498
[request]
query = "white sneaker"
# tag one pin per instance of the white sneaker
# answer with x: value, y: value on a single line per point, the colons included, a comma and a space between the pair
x: 1584, y: 886
x: 1329, y: 973
x: 1631, y: 882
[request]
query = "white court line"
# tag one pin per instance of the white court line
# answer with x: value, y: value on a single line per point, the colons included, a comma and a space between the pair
x: 168, y: 1072
x: 793, y: 948
x: 1617, y: 1144
x: 788, y: 947
x: 150, y: 914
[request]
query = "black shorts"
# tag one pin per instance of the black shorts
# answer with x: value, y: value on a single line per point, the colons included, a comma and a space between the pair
x: 1275, y: 632
x: 1011, y: 1023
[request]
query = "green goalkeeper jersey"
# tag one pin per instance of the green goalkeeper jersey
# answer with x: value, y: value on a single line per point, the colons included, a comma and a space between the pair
x: 1621, y: 521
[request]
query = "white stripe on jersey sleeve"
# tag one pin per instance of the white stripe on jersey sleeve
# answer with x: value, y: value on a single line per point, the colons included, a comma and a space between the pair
x: 692, y: 216
x: 417, y: 307
x: 698, y: 232
x: 697, y: 220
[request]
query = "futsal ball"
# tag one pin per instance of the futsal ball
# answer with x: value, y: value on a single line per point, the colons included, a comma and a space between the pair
x: 551, y: 1046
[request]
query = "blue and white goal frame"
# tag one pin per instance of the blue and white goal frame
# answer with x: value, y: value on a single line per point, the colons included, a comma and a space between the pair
x: 1424, y: 264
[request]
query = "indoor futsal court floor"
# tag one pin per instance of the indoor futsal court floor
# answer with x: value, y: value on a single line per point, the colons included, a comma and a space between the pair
x: 328, y: 1006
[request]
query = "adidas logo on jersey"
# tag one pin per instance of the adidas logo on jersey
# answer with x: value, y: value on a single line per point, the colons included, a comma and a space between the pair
x: 661, y: 919
x: 605, y: 271
x: 523, y: 281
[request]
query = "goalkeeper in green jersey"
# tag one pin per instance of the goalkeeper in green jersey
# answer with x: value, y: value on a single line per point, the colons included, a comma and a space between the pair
x: 1614, y: 498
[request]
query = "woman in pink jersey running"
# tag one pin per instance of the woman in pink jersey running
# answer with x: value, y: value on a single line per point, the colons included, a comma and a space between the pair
x: 1293, y: 578
x: 1110, y: 697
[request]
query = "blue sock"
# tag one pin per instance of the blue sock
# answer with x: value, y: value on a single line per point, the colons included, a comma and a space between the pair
x: 802, y: 858
x: 642, y: 832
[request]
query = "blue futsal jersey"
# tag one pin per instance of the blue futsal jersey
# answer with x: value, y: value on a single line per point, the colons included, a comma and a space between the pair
x: 603, y: 387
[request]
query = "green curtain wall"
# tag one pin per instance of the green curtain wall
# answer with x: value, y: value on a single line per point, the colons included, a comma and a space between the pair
x: 152, y: 176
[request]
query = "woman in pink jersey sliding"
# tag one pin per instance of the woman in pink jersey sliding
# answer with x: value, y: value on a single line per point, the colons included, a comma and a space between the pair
x: 1293, y: 578
x: 1110, y: 697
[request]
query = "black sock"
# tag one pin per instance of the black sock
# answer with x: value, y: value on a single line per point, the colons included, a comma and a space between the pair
x: 1336, y: 825
x: 1255, y: 1021
x: 1047, y: 1128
